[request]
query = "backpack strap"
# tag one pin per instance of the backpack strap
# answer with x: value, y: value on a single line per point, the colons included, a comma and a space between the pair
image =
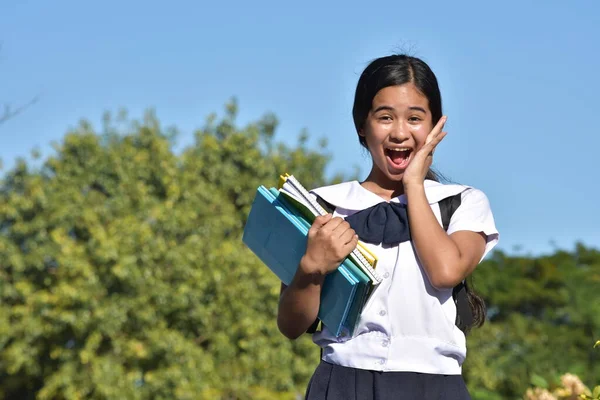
x: 447, y: 208
x: 464, y: 315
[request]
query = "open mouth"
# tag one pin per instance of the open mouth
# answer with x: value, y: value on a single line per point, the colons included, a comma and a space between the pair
x: 398, y: 157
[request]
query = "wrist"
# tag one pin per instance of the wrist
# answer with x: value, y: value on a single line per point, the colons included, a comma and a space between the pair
x: 414, y: 187
x: 309, y: 272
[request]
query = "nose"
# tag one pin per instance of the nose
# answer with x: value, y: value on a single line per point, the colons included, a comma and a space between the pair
x: 400, y: 132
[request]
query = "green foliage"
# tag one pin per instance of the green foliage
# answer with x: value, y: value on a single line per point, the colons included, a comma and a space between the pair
x: 542, y: 315
x: 123, y: 273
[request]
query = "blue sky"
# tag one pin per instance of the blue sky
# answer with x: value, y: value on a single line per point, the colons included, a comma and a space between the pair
x: 519, y: 81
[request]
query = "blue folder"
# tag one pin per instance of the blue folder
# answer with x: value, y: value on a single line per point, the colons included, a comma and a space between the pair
x: 276, y: 232
x: 364, y: 285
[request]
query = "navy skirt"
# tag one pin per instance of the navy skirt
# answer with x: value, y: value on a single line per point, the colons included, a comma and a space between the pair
x: 334, y: 382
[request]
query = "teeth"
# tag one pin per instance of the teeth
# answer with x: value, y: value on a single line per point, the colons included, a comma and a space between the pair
x: 399, y: 149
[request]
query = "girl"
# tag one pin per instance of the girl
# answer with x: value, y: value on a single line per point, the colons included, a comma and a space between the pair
x: 406, y: 344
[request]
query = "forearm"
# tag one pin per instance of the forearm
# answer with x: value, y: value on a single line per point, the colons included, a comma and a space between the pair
x: 299, y: 303
x: 438, y: 253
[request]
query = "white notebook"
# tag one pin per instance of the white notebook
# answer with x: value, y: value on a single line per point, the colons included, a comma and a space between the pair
x: 292, y: 188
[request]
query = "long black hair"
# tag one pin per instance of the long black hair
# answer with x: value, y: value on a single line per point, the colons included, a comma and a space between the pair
x: 395, y: 70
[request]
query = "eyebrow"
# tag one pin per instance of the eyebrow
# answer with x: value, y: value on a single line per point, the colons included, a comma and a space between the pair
x: 416, y: 108
x: 390, y: 108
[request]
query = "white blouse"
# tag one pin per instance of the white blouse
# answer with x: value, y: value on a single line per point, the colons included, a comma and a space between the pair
x: 407, y: 324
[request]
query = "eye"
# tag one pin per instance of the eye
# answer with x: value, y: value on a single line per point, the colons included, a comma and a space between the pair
x: 415, y: 118
x: 385, y: 118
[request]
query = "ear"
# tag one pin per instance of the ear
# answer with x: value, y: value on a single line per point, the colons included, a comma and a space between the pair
x: 361, y: 133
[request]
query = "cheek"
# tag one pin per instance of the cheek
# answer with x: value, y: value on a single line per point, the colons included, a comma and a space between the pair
x: 375, y: 134
x: 421, y: 134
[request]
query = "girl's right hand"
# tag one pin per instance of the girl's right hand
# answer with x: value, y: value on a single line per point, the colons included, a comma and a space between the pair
x: 330, y: 241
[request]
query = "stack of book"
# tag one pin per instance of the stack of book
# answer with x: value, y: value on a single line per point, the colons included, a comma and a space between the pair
x: 276, y: 231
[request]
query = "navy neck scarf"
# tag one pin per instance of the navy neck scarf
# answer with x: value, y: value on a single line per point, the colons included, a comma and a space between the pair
x: 385, y: 223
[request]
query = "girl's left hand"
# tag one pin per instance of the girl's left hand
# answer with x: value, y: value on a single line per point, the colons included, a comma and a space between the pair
x: 417, y: 169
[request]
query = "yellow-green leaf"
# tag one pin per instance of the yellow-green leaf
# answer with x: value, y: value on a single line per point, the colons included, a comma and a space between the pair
x: 596, y: 392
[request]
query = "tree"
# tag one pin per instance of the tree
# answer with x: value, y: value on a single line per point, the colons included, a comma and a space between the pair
x: 543, y: 313
x: 124, y: 275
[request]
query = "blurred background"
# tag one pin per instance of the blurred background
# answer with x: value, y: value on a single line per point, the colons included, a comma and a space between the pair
x: 133, y: 136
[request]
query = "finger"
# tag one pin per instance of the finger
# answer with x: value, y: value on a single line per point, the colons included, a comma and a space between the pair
x: 332, y: 225
x: 430, y: 147
x: 434, y: 133
x: 318, y: 224
x: 321, y: 220
x: 347, y: 236
x: 436, y: 129
x: 438, y: 138
x: 351, y: 245
x: 341, y: 229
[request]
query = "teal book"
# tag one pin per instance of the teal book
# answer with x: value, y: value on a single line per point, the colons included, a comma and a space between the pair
x: 276, y: 232
x: 349, y: 267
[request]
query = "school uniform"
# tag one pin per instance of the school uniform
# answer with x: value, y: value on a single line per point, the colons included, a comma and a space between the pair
x: 406, y: 344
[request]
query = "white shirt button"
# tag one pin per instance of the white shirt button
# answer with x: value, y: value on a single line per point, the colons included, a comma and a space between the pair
x: 381, y: 362
x: 386, y: 275
x: 385, y: 343
x: 382, y: 313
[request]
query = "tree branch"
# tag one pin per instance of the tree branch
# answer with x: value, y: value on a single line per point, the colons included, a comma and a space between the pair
x: 9, y: 113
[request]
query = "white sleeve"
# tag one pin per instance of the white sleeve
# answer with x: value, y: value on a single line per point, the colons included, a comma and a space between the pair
x: 474, y: 214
